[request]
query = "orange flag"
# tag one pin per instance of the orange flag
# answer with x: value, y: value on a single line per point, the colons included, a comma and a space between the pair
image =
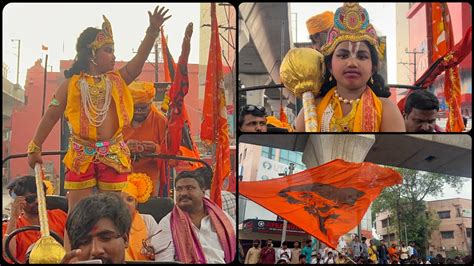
x: 214, y: 127
x: 443, y: 42
x: 326, y: 201
x: 283, y: 117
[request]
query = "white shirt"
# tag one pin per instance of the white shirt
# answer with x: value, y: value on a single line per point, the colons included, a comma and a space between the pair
x: 410, y: 251
x: 281, y: 254
x: 206, y: 234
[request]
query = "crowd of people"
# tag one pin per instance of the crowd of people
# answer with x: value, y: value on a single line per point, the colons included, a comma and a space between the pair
x: 358, y: 251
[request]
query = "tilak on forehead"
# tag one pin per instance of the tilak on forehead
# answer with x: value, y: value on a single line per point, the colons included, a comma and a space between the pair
x: 351, y: 23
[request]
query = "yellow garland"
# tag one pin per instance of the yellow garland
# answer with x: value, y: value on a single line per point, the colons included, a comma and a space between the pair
x: 49, y: 187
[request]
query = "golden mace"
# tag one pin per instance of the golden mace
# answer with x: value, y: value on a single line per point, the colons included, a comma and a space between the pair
x: 302, y: 72
x: 46, y: 250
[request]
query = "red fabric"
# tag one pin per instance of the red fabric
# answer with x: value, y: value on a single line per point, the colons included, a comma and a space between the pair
x: 326, y: 201
x: 214, y: 128
x: 98, y: 171
x: 449, y: 60
x: 283, y: 117
x: 168, y: 62
x: 56, y: 220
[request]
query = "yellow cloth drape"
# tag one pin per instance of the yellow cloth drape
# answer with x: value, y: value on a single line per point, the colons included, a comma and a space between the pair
x: 119, y: 157
x: 368, y: 115
x: 138, y: 233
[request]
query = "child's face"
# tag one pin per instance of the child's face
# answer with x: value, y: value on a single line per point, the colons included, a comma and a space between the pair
x: 351, y: 65
x: 105, y: 58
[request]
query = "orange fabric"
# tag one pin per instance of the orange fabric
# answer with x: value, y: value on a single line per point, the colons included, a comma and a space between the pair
x: 320, y: 22
x: 57, y: 221
x: 138, y: 232
x: 368, y: 116
x: 392, y: 252
x: 152, y: 129
x: 81, y: 128
x: 168, y: 61
x: 443, y: 41
x: 326, y: 201
x: 283, y: 117
x: 142, y: 92
x: 214, y: 127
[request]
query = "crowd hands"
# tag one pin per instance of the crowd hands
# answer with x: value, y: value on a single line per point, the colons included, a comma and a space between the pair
x: 356, y: 252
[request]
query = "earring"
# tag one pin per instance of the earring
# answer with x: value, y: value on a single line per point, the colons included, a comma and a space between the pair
x: 371, y: 80
x: 93, y: 62
x: 330, y: 78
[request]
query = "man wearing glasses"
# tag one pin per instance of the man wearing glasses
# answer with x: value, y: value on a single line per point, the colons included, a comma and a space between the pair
x: 24, y: 212
x: 252, y: 118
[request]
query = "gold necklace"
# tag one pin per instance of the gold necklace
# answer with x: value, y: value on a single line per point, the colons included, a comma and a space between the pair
x: 344, y: 123
x: 339, y: 98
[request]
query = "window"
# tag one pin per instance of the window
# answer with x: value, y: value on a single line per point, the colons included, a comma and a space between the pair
x: 268, y: 152
x: 444, y: 214
x: 447, y: 234
x: 385, y: 223
x: 468, y: 232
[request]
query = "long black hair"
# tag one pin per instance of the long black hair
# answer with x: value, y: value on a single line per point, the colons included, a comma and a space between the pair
x: 84, y: 53
x: 378, y: 86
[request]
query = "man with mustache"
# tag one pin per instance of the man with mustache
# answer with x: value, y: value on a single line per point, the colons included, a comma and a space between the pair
x: 196, y: 230
x: 98, y: 229
x: 24, y: 212
x: 421, y: 111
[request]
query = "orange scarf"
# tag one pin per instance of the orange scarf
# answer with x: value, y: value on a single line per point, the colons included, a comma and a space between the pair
x: 138, y: 233
x: 367, y: 116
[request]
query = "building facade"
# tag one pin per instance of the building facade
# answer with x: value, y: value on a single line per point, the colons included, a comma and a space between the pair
x: 453, y: 236
x: 461, y: 16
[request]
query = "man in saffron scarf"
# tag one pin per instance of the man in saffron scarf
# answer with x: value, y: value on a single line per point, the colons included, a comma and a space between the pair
x: 318, y: 27
x: 146, y: 132
x: 196, y: 230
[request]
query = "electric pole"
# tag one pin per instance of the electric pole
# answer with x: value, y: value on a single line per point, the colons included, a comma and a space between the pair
x: 17, y: 61
x: 415, y: 52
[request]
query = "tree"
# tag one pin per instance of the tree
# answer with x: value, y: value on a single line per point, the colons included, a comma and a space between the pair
x: 405, y: 202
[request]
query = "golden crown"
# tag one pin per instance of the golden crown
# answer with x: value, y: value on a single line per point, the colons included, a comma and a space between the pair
x: 351, y: 23
x: 105, y: 36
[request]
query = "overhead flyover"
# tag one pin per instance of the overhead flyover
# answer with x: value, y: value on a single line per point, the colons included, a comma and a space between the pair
x: 440, y: 153
x: 264, y: 39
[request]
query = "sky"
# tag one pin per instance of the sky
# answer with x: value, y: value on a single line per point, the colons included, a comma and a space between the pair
x: 381, y: 16
x: 58, y: 26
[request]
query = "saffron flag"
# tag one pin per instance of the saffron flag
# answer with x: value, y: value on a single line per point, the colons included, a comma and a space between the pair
x: 326, y: 201
x: 283, y: 117
x: 179, y: 140
x: 214, y: 127
x: 443, y: 42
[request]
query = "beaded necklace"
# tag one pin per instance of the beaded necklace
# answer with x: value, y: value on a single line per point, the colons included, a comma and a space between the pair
x: 94, y: 95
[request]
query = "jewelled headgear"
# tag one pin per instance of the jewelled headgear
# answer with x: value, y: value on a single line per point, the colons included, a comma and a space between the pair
x: 351, y: 23
x: 105, y: 36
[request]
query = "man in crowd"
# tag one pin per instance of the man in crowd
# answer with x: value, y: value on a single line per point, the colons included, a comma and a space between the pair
x: 284, y: 252
x: 252, y: 118
x: 253, y: 254
x: 365, y: 248
x: 318, y: 27
x: 308, y: 250
x: 146, y: 132
x: 98, y: 229
x: 383, y: 252
x: 267, y: 254
x: 24, y: 212
x: 421, y: 109
x: 295, y: 253
x: 196, y: 230
x: 356, y: 248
